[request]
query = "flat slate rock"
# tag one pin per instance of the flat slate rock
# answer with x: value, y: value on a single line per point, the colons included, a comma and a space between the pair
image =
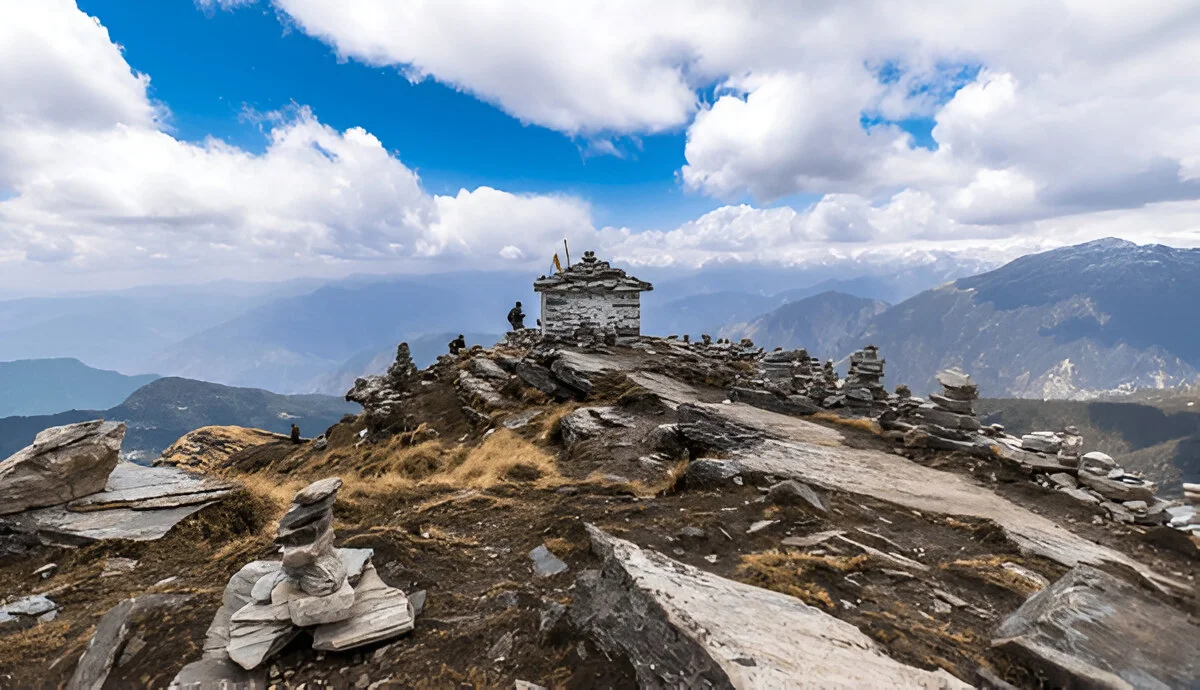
x: 684, y: 627
x: 59, y: 526
x: 318, y: 491
x: 137, y: 487
x: 379, y: 613
x: 1093, y: 630
x: 217, y: 674
x: 545, y: 563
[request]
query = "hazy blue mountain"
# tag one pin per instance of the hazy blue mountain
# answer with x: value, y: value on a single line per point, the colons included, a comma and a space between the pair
x: 827, y: 324
x: 291, y: 343
x: 1068, y: 323
x: 123, y: 330
x: 163, y: 410
x: 704, y: 313
x: 46, y: 386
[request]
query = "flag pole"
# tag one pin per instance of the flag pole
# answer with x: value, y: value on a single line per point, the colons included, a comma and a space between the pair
x: 568, y: 252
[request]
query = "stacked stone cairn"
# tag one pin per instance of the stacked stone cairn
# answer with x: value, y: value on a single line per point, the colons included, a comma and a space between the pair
x: 946, y: 421
x: 863, y: 388
x: 333, y: 593
x: 380, y: 396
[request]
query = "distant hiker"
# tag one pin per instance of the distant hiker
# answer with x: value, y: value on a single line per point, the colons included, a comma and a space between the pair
x: 458, y: 344
x: 295, y: 434
x: 516, y: 318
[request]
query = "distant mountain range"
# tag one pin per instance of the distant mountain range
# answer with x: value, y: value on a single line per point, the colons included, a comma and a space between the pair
x: 167, y: 408
x: 1077, y: 322
x: 824, y: 324
x: 46, y: 386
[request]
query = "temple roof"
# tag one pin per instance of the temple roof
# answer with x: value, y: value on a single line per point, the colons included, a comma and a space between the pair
x: 590, y: 274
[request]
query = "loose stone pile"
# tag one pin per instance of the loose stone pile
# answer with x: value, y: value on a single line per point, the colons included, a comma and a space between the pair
x: 1189, y: 522
x: 335, y: 593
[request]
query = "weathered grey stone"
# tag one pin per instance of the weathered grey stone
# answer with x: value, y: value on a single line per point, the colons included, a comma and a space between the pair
x: 355, y: 561
x: 812, y: 539
x: 322, y: 577
x: 1117, y: 490
x: 1064, y: 480
x: 955, y: 379
x: 61, y: 527
x: 34, y: 605
x: 1083, y: 495
x: 253, y: 642
x: 112, y: 632
x: 473, y: 387
x: 793, y: 493
x: 789, y: 404
x: 587, y: 422
x: 307, y: 610
x: 545, y: 563
x: 487, y: 369
x: 148, y: 488
x: 683, y: 627
x: 542, y: 379
x: 571, y: 377
x: 952, y: 405
x: 1042, y: 442
x: 380, y: 612
x: 521, y: 419
x: 62, y: 464
x: 217, y: 674
x: 1093, y: 630
x: 239, y: 590
x: 708, y: 473
x: 261, y: 592
x: 1098, y: 459
x: 318, y: 491
x: 951, y: 420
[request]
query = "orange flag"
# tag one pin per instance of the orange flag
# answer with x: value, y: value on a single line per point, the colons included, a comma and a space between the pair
x: 557, y: 265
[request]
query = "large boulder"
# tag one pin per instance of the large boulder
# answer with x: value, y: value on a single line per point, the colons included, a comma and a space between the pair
x: 684, y: 627
x: 114, y: 631
x: 1093, y: 630
x: 64, y: 463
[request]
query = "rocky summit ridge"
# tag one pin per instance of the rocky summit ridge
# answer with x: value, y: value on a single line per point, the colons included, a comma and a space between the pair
x: 644, y: 512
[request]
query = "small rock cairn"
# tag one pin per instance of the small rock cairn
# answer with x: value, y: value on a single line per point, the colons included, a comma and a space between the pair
x: 334, y: 593
x: 863, y: 387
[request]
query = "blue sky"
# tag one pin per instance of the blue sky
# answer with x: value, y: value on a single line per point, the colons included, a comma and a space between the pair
x: 208, y: 66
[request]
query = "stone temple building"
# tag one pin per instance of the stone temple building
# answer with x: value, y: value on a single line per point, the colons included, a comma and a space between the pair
x: 591, y: 297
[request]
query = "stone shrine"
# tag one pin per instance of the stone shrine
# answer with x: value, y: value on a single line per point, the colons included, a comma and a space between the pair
x: 591, y: 297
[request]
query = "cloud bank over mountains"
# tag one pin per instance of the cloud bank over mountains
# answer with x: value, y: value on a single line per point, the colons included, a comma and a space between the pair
x: 1048, y: 123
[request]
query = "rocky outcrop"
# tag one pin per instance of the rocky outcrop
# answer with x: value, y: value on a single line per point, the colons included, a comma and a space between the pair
x: 137, y: 503
x: 62, y: 464
x: 208, y: 448
x: 1093, y: 630
x: 114, y: 634
x: 684, y: 627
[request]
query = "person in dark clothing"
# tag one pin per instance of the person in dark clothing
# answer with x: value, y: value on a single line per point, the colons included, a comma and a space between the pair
x: 295, y: 434
x: 458, y: 344
x: 516, y: 318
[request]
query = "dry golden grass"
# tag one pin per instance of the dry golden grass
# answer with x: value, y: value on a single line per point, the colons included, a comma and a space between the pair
x: 666, y: 485
x: 991, y: 570
x: 790, y: 573
x: 861, y: 423
x: 502, y: 457
x: 32, y: 645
